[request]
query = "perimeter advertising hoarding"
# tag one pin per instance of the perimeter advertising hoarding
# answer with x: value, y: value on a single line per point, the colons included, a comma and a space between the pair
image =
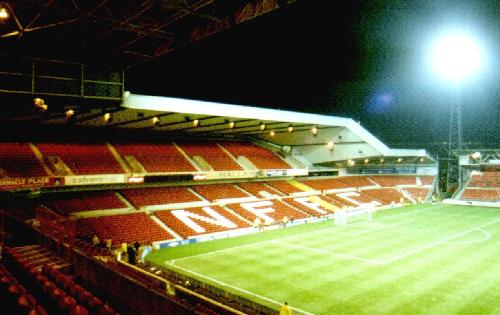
x: 95, y: 179
x: 215, y: 175
x: 29, y: 182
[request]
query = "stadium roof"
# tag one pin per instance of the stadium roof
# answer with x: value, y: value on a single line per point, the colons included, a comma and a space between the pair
x: 121, y: 33
x: 357, y: 59
x: 319, y: 138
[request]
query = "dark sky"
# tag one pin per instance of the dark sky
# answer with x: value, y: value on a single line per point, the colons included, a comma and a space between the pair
x: 359, y: 59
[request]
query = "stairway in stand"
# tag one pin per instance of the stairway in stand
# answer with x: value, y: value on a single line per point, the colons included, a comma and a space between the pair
x: 36, y: 256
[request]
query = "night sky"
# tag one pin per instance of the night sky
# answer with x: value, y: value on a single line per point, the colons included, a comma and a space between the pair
x: 360, y: 59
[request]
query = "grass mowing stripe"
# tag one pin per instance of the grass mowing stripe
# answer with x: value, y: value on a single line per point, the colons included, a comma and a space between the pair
x: 440, y: 242
x: 238, y: 289
x: 485, y: 235
x: 291, y: 236
x: 477, y: 279
x: 319, y: 250
x: 321, y: 283
x: 431, y: 281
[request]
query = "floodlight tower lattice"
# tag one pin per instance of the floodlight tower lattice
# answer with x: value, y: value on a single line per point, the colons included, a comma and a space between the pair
x: 455, y: 57
x: 455, y: 144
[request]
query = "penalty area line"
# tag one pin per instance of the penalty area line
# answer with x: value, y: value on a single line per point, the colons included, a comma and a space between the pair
x: 439, y: 242
x: 486, y: 236
x: 293, y: 236
x: 324, y: 251
x: 236, y: 288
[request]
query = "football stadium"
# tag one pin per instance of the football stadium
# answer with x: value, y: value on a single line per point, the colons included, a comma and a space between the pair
x: 125, y: 192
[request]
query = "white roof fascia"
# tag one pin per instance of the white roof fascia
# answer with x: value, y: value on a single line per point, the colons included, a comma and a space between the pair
x: 179, y: 105
x: 408, y: 152
x: 364, y: 134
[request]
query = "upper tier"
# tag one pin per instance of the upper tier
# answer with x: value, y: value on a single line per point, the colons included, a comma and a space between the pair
x: 19, y: 160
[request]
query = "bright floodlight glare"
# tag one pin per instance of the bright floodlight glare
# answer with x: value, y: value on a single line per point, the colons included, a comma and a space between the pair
x: 456, y: 56
x: 3, y: 13
x: 476, y: 155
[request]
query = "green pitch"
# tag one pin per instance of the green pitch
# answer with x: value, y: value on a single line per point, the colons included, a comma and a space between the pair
x: 426, y: 259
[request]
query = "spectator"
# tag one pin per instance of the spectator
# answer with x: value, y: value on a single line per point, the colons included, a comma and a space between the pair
x: 109, y: 243
x: 285, y: 221
x: 285, y: 309
x: 95, y: 240
x: 131, y: 253
x: 257, y: 223
x: 146, y: 250
x: 137, y: 246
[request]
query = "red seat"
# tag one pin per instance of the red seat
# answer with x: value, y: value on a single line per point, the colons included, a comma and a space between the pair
x: 16, y: 289
x: 79, y: 310
x: 84, y: 297
x: 6, y: 281
x: 94, y: 303
x: 57, y: 294
x: 24, y: 303
x: 106, y: 310
x: 67, y: 303
x: 31, y: 300
x: 75, y: 288
x: 48, y: 286
x: 40, y: 310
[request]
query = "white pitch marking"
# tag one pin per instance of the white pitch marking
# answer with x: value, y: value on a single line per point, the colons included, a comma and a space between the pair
x: 302, y: 234
x: 486, y: 236
x: 440, y: 242
x: 324, y: 251
x: 306, y: 233
x: 287, y: 237
x: 237, y: 288
x: 384, y: 227
x: 218, y: 251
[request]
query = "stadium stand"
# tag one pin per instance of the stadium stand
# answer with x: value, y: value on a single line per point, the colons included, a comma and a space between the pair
x: 283, y: 187
x: 55, y: 291
x: 314, y: 206
x: 211, y: 153
x: 155, y: 157
x: 270, y: 211
x: 393, y: 181
x: 80, y: 158
x: 81, y: 295
x: 356, y: 181
x: 199, y: 221
x: 18, y: 160
x: 124, y: 228
x: 485, y: 179
x: 15, y: 297
x: 260, y: 157
x: 353, y: 198
x: 482, y: 187
x: 66, y: 203
x: 120, y: 167
x: 427, y: 180
x: 259, y: 189
x: 418, y: 193
x: 385, y: 195
x: 476, y: 194
x: 220, y: 191
x: 140, y: 197
x: 337, y: 201
x: 326, y: 183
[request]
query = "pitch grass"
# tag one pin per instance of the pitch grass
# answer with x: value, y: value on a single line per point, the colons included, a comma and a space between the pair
x: 425, y: 259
